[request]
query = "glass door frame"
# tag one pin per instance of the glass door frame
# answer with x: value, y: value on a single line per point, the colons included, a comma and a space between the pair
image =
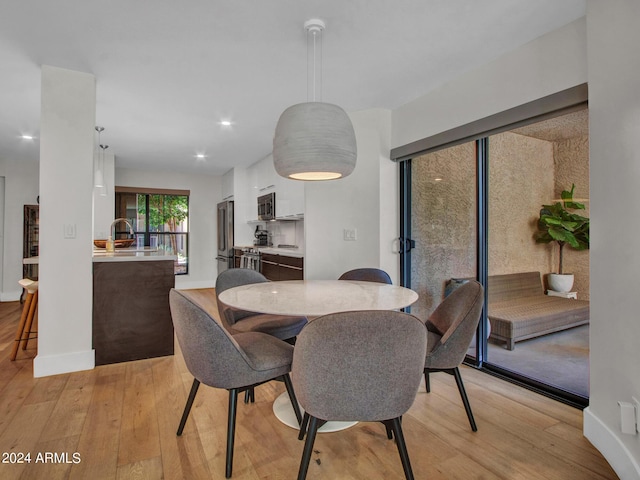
x: 548, y: 107
x: 407, y: 243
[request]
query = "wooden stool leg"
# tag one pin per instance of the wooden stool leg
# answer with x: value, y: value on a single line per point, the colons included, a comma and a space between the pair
x: 23, y: 319
x: 33, y: 313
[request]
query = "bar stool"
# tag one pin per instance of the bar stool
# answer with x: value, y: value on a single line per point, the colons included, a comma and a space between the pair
x: 29, y: 312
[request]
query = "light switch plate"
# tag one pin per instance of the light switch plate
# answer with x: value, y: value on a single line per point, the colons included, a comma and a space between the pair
x: 627, y: 418
x: 69, y: 230
x: 350, y: 234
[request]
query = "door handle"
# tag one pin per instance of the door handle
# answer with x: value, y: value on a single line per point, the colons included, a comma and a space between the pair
x: 406, y: 245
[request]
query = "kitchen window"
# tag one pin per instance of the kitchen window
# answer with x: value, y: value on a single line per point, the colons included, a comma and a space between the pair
x: 160, y: 219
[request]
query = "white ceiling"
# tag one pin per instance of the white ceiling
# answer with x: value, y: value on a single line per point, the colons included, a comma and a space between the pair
x: 167, y: 72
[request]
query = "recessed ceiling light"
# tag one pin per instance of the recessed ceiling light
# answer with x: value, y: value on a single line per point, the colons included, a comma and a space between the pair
x: 27, y: 137
x: 200, y: 155
x: 225, y: 123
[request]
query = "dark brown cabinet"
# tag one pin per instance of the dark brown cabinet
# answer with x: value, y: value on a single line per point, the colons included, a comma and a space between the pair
x: 281, y: 267
x: 291, y: 268
x: 131, y: 315
x: 269, y: 266
x: 237, y: 254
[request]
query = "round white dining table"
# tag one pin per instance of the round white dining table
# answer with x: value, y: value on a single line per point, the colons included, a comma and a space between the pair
x: 314, y: 298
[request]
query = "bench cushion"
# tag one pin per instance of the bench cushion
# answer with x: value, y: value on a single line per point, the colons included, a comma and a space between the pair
x: 520, y: 319
x: 518, y: 308
x: 515, y: 286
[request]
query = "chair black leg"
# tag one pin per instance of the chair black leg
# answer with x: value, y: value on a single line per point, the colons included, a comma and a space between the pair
x: 465, y: 400
x: 308, y: 448
x: 303, y: 426
x: 427, y: 384
x: 249, y: 395
x: 402, y: 448
x: 231, y: 429
x: 388, y: 425
x: 187, y: 407
x: 292, y: 397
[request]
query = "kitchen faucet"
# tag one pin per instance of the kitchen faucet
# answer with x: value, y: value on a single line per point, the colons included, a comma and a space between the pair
x: 112, y: 229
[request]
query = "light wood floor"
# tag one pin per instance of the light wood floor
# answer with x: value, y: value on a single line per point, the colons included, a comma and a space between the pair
x: 121, y: 419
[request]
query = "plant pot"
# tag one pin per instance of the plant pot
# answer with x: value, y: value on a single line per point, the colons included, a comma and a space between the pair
x: 560, y: 282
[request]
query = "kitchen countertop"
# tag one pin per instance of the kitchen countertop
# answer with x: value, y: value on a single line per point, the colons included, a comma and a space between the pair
x: 132, y: 254
x: 289, y: 252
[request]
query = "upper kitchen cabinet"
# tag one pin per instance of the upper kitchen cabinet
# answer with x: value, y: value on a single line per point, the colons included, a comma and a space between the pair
x: 228, y: 185
x: 289, y: 193
x: 263, y: 176
x: 289, y: 199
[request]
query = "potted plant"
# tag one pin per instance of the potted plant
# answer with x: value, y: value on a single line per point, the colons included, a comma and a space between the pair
x: 557, y: 224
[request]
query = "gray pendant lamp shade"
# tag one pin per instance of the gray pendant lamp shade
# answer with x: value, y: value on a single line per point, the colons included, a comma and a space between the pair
x: 314, y: 141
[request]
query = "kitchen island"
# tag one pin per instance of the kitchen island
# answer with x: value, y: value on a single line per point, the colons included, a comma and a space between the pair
x: 131, y: 316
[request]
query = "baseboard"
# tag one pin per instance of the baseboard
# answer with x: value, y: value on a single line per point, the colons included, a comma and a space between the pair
x: 46, y: 365
x: 610, y: 446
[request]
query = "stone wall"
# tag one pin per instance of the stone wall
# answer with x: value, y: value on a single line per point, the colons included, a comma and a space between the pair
x: 572, y: 166
x: 524, y: 174
x: 443, y: 222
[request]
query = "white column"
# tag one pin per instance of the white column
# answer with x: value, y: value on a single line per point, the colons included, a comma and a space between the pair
x: 66, y: 185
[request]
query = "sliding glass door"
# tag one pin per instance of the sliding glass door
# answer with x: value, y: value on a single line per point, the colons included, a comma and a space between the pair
x: 443, y: 223
x: 537, y: 336
x: 470, y: 210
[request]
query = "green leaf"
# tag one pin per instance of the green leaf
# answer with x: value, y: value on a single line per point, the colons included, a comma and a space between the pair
x: 569, y: 225
x: 574, y: 205
x: 550, y: 220
x: 567, y: 195
x: 561, y: 235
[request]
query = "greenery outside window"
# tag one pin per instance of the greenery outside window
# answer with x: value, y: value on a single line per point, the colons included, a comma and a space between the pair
x: 160, y: 218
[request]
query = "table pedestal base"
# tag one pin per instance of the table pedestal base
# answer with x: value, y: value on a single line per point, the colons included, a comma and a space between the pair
x: 283, y: 411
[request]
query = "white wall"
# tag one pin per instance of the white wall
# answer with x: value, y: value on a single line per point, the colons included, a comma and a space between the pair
x: 206, y: 193
x: 65, y: 275
x: 545, y: 66
x: 614, y: 129
x: 21, y: 188
x: 354, y: 203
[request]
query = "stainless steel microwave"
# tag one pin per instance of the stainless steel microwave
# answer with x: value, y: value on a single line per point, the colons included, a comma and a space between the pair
x: 267, y: 206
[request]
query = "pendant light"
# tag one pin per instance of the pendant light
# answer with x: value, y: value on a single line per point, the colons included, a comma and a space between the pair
x: 314, y: 140
x: 98, y: 165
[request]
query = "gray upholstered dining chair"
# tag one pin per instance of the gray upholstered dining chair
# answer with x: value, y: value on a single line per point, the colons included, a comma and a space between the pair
x: 367, y: 275
x: 233, y: 362
x: 358, y: 366
x: 284, y: 327
x: 450, y: 329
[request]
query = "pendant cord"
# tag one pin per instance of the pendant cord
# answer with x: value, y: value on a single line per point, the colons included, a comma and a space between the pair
x: 314, y: 64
